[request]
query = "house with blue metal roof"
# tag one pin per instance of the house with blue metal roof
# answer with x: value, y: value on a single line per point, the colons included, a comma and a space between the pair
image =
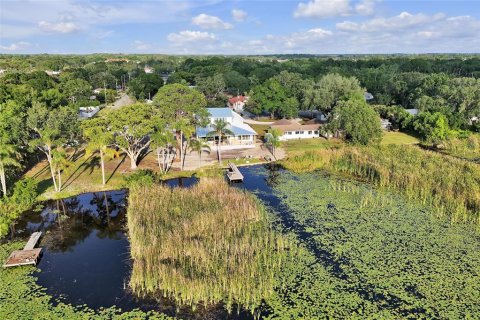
x: 244, y: 135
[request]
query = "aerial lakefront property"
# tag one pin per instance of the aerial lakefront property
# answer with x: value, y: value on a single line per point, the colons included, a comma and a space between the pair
x: 291, y: 129
x: 240, y: 160
x: 240, y: 135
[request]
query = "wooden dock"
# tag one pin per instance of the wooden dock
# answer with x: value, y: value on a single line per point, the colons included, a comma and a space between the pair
x: 32, y: 242
x: 233, y: 173
x: 29, y: 254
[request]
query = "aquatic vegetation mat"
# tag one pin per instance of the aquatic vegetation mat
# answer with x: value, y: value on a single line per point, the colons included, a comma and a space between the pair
x: 206, y: 244
x: 451, y: 186
x: 22, y: 298
x: 370, y: 254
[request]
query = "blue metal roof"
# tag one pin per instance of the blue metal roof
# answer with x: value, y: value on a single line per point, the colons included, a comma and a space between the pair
x: 220, y: 112
x: 202, y: 132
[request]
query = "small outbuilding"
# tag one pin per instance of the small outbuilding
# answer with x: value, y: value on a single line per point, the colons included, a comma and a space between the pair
x: 292, y: 129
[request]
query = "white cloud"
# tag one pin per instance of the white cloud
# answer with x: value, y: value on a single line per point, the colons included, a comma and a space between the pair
x: 22, y: 17
x: 17, y: 46
x: 366, y: 7
x: 300, y: 40
x: 401, y: 21
x: 206, y: 21
x: 322, y: 9
x: 188, y: 37
x: 296, y: 42
x: 140, y: 45
x: 333, y: 8
x: 60, y: 27
x: 239, y: 15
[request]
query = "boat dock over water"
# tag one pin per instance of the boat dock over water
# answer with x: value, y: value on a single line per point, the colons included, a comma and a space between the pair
x: 29, y: 254
x: 233, y: 174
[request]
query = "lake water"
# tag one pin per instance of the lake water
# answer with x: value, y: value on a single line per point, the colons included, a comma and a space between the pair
x: 352, y: 251
x: 86, y: 256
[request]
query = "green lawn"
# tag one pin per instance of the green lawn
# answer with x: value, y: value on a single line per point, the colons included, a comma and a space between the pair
x: 260, y: 129
x: 398, y: 138
x: 302, y: 145
x: 84, y: 175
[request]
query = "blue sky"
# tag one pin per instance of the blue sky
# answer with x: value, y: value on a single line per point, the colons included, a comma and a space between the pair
x: 239, y: 27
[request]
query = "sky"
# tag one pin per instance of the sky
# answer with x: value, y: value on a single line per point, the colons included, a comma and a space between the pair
x: 239, y: 27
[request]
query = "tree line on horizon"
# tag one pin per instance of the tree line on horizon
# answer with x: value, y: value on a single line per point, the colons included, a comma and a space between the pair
x: 39, y: 112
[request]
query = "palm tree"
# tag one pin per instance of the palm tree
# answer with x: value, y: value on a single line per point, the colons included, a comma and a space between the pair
x: 59, y: 163
x: 185, y: 129
x: 100, y: 140
x: 8, y: 158
x: 220, y: 130
x: 163, y: 141
x: 272, y: 139
x: 199, y: 146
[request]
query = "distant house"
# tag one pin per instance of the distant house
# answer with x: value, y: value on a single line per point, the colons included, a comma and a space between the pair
x: 87, y: 112
x: 386, y: 124
x: 148, y: 69
x: 291, y: 129
x: 413, y: 112
x: 318, y: 116
x: 52, y: 73
x: 368, y: 96
x: 117, y: 60
x: 243, y: 134
x: 237, y: 103
x: 165, y: 76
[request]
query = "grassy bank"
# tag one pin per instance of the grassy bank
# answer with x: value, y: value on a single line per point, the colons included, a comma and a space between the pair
x: 22, y: 298
x: 84, y: 174
x: 207, y: 244
x: 392, y: 137
x: 468, y: 148
x: 294, y: 147
x: 452, y: 186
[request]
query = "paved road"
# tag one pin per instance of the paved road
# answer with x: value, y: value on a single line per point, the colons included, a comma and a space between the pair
x: 124, y: 100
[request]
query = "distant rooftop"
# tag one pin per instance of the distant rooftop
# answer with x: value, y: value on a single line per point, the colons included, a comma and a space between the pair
x: 413, y: 112
x: 220, y: 112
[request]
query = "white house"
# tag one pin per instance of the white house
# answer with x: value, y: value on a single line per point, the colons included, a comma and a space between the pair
x: 148, y: 69
x: 52, y: 73
x: 237, y: 103
x: 291, y: 129
x: 413, y: 112
x: 244, y: 135
x: 386, y: 124
x: 87, y: 112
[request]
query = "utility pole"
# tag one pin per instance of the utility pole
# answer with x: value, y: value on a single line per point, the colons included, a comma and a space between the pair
x: 105, y: 91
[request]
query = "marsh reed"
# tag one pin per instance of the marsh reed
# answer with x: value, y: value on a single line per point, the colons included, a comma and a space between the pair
x: 450, y: 185
x: 203, y: 245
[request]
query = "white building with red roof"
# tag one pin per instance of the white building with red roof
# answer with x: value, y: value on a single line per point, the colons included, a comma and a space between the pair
x: 237, y: 103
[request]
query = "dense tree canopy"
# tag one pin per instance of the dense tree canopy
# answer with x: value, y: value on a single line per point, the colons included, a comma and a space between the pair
x: 145, y: 86
x: 38, y: 107
x: 358, y: 121
x: 271, y: 97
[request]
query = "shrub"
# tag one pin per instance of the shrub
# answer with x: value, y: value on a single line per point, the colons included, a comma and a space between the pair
x: 141, y: 177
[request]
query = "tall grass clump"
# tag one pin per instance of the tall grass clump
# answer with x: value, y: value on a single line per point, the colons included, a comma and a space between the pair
x: 450, y: 185
x: 203, y: 245
x: 466, y: 148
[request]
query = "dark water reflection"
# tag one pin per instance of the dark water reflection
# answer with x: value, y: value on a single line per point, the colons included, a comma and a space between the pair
x: 86, y: 256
